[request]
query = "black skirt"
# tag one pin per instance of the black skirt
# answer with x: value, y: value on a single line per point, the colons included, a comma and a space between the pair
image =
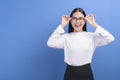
x: 78, y: 73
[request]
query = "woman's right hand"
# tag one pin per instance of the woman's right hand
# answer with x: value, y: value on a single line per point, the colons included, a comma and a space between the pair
x: 65, y: 20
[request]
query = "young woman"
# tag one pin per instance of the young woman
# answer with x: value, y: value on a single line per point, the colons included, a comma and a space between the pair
x: 78, y: 44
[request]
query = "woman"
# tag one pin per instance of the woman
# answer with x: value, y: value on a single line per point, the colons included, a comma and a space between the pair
x: 78, y: 44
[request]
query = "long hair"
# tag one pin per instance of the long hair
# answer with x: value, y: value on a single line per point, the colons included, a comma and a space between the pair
x: 70, y: 28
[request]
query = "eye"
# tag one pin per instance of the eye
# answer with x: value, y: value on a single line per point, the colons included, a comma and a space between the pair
x: 81, y: 18
x: 74, y: 18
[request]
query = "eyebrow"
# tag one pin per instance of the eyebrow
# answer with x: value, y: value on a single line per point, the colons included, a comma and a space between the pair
x: 77, y: 17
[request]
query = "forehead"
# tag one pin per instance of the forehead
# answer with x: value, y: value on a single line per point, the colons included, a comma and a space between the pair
x: 77, y: 14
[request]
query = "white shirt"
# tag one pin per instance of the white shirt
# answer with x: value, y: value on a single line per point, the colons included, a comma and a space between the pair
x: 79, y: 46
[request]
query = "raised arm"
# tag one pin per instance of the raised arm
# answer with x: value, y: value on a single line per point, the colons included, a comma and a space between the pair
x: 102, y: 37
x: 56, y: 40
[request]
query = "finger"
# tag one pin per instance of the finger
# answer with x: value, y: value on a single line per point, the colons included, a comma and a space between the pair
x: 66, y: 16
x: 91, y: 15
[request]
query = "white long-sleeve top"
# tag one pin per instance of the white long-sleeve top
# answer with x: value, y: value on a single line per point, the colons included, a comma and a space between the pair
x: 79, y: 47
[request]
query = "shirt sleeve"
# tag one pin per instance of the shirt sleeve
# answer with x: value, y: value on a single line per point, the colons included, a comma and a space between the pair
x: 56, y: 40
x: 102, y: 37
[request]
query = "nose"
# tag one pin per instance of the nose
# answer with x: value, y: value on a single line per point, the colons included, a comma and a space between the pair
x: 77, y: 20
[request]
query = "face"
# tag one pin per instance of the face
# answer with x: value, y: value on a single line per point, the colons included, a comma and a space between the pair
x: 77, y: 21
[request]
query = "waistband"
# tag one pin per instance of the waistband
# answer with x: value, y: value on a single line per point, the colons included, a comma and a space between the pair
x: 86, y: 65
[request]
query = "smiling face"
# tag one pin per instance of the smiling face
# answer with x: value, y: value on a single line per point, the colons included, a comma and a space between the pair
x: 77, y: 21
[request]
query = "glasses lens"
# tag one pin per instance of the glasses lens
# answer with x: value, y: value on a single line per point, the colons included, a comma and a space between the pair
x: 75, y: 19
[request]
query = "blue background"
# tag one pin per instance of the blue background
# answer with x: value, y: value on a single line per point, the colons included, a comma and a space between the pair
x: 25, y: 26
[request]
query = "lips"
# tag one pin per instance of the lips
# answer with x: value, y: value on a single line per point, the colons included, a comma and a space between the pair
x: 77, y: 26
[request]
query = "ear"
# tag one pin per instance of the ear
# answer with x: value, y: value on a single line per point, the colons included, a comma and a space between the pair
x: 85, y: 19
x: 70, y: 20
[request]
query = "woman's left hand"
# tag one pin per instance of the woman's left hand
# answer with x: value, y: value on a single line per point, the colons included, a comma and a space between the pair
x: 90, y: 19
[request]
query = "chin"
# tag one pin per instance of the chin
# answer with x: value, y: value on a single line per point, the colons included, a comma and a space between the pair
x: 80, y: 29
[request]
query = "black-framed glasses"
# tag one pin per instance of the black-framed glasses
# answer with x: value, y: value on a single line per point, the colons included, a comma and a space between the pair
x: 75, y: 19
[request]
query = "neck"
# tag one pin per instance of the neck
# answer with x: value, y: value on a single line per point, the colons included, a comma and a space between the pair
x: 78, y: 30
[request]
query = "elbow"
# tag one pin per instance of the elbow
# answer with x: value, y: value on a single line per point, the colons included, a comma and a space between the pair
x: 49, y: 44
x: 112, y: 39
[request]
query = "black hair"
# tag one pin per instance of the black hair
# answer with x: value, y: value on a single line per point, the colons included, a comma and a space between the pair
x: 70, y: 28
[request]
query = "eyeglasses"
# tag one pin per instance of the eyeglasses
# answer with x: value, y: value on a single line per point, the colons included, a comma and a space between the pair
x: 75, y: 19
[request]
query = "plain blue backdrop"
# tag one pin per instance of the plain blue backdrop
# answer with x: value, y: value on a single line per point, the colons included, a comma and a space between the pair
x: 25, y: 26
